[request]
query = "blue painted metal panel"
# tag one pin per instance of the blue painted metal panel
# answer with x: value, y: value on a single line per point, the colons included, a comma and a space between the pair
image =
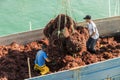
x: 99, y: 71
x: 101, y: 74
x: 59, y: 76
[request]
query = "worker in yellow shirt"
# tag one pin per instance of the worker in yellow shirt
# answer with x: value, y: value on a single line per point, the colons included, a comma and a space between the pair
x: 40, y: 59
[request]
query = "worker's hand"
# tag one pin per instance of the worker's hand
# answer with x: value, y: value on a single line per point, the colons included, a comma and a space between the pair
x: 48, y: 60
x: 93, y: 34
x: 101, y: 45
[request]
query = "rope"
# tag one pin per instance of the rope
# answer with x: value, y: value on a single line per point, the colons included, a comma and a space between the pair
x: 59, y: 21
x: 57, y: 8
x: 71, y: 15
x: 117, y: 7
x: 65, y: 21
x: 65, y: 7
x: 115, y: 12
x: 109, y: 8
x: 72, y: 12
x: 73, y: 27
x: 69, y: 4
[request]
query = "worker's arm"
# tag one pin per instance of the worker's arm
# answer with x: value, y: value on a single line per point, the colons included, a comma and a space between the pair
x: 87, y: 26
x: 93, y: 34
x: 94, y: 31
x: 48, y: 60
x: 46, y: 57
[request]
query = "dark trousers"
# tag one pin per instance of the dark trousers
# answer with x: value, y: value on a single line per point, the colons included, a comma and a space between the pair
x: 91, y: 44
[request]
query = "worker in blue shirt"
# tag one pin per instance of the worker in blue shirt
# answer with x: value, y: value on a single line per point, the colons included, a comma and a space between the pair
x: 40, y: 59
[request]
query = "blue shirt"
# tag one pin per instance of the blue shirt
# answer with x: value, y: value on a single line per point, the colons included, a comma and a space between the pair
x: 40, y: 58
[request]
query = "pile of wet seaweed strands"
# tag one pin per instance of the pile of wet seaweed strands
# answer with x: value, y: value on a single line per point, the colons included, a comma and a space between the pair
x: 65, y: 47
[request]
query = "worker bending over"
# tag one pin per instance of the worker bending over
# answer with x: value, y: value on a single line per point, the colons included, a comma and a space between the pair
x: 93, y: 32
x: 41, y: 57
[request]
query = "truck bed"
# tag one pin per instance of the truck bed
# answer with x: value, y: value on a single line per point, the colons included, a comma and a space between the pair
x: 98, y: 71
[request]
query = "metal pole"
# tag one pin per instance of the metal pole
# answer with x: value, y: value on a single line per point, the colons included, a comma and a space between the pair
x: 119, y: 7
x: 30, y: 25
x: 115, y: 12
x: 69, y: 3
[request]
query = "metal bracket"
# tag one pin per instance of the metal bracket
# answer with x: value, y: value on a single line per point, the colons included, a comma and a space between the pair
x: 108, y: 78
x: 76, y: 75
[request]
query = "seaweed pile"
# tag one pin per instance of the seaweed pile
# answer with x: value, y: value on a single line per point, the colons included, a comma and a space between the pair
x: 65, y: 47
x: 13, y: 57
x: 62, y: 33
x: 13, y: 60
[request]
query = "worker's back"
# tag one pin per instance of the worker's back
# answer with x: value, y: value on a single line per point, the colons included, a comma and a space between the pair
x: 40, y: 57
